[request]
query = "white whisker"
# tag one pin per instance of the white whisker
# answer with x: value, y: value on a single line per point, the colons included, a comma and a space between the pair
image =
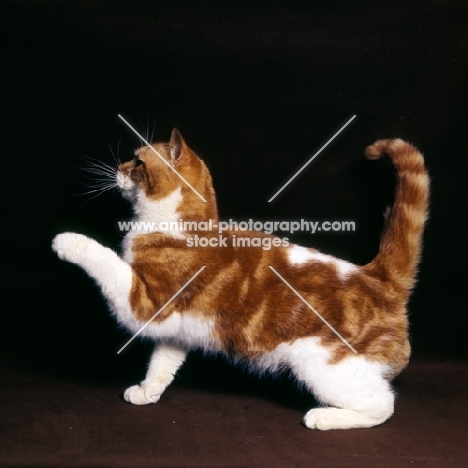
x: 99, y: 184
x: 102, y: 177
x: 97, y: 195
x: 114, y: 156
x: 99, y: 164
x: 100, y: 171
x: 100, y: 190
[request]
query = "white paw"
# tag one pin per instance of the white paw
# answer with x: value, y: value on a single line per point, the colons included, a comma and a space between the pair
x: 319, y: 418
x: 325, y: 419
x: 70, y: 246
x: 141, y: 395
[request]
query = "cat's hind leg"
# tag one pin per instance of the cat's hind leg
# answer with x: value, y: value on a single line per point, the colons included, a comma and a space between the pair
x: 164, y: 363
x: 354, y: 392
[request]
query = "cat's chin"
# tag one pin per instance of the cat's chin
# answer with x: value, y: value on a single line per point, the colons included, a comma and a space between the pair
x: 128, y: 194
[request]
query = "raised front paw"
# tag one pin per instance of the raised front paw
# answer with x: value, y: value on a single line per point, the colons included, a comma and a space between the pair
x: 141, y: 395
x: 70, y: 246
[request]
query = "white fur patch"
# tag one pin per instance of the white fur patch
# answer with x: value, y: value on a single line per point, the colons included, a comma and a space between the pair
x: 185, y: 329
x: 164, y: 209
x: 152, y: 212
x: 355, y: 388
x: 299, y: 255
x: 165, y: 361
x: 345, y: 269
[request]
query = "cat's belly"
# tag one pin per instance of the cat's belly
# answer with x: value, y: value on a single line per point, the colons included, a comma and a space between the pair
x: 186, y: 329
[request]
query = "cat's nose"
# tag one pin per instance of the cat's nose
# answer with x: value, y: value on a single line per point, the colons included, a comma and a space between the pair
x: 125, y: 167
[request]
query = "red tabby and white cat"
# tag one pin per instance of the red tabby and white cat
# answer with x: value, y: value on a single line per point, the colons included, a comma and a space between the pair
x: 238, y: 307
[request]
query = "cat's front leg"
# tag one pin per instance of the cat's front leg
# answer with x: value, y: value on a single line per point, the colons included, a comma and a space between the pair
x: 72, y: 247
x: 165, y: 361
x: 112, y: 274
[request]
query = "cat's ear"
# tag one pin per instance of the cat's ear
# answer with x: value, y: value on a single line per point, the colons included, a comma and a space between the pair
x: 176, y: 145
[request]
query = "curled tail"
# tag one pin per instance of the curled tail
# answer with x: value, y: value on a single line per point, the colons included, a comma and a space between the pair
x: 401, y: 240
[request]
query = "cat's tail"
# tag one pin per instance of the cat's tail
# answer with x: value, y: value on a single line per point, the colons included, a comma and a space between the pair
x: 401, y: 240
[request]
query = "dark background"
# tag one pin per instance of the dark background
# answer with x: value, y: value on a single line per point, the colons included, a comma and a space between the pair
x: 256, y: 88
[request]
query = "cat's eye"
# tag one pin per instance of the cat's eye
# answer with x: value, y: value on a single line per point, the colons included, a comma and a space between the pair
x: 137, y: 162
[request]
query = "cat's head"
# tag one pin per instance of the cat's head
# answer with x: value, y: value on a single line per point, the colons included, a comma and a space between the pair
x: 169, y: 176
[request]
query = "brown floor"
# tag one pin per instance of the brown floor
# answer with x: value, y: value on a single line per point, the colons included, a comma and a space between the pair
x: 51, y: 422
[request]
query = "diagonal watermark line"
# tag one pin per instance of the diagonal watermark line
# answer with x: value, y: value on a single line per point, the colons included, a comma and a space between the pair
x: 159, y: 155
x: 161, y: 309
x: 312, y: 158
x: 313, y: 310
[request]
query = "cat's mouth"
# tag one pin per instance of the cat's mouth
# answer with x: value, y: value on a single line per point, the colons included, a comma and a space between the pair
x: 126, y: 185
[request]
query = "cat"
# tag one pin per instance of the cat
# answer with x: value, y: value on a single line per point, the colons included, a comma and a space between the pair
x: 239, y: 307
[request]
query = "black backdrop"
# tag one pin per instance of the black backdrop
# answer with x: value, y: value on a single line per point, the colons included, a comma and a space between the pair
x: 255, y: 88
